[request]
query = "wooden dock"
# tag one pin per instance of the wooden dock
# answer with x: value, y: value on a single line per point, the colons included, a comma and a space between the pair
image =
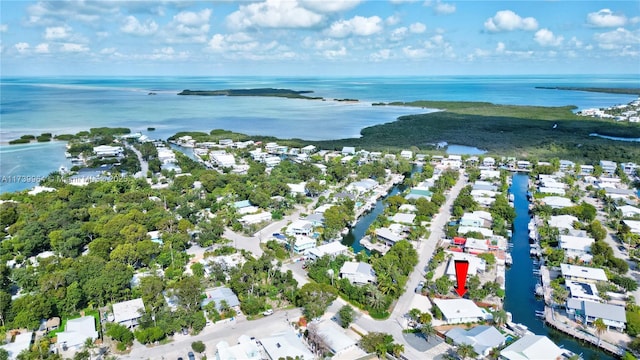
x: 581, y: 335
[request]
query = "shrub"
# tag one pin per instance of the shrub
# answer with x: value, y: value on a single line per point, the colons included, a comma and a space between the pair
x: 198, y: 346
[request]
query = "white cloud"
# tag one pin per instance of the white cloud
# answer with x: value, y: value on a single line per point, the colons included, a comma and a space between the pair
x: 501, y: 47
x: 402, y: 1
x: 108, y: 51
x: 392, y: 20
x: 634, y: 20
x: 133, y: 26
x: 329, y: 6
x: 399, y: 33
x: 220, y: 43
x: 42, y: 48
x: 333, y: 54
x: 617, y: 39
x: 190, y: 18
x: 57, y: 32
x: 417, y: 28
x: 413, y: 53
x: 325, y: 44
x: 358, y: 25
x: 73, y: 48
x: 507, y: 20
x: 440, y: 8
x: 273, y: 14
x: 22, y: 47
x: 606, y: 18
x: 575, y: 42
x: 381, y: 55
x: 4, y: 28
x: 56, y: 12
x: 545, y: 37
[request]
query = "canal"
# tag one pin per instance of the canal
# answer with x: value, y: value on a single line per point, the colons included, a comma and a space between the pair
x: 520, y: 300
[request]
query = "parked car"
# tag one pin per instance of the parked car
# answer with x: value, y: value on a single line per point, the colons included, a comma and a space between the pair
x: 268, y: 312
x: 622, y: 249
x: 191, y: 355
x: 418, y: 289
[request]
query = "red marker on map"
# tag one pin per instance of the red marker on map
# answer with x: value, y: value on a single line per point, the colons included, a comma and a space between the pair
x: 462, y: 267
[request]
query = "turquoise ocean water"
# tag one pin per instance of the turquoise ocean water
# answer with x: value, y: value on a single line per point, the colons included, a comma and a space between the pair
x: 67, y: 105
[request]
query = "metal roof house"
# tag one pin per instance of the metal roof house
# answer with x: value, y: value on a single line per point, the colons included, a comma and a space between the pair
x: 532, y: 347
x: 614, y: 316
x: 483, y: 338
x: 127, y: 313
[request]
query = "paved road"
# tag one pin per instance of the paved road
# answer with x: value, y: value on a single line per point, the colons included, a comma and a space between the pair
x: 212, y: 334
x: 144, y: 165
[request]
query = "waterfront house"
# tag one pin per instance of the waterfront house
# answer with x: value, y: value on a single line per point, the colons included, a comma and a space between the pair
x: 219, y: 295
x: 332, y: 249
x: 614, y: 316
x: 476, y: 265
x: 402, y: 218
x: 557, y: 202
x: 358, y: 272
x: 300, y: 227
x: 245, y: 349
x: 108, y: 151
x: 76, y: 332
x: 582, y: 273
x: 629, y: 168
x: 362, y: 186
x: 286, y: 345
x: 582, y: 291
x: 566, y: 165
x: 523, y: 164
x: 532, y: 347
x: 407, y: 208
x: 562, y: 222
x: 406, y: 154
x: 617, y: 194
x: 551, y: 190
x: 127, y: 313
x: 575, y: 246
x: 484, y: 185
x: 608, y: 167
x: 222, y: 159
x: 309, y: 149
x: 484, y: 231
x: 586, y: 170
x: 419, y: 192
x: 634, y: 225
x: 460, y: 311
x: 387, y: 236
x: 489, y: 161
x: 348, y: 150
x: 487, y: 174
x: 483, y: 338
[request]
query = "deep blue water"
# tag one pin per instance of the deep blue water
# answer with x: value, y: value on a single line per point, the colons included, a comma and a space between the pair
x: 34, y: 105
x: 520, y: 281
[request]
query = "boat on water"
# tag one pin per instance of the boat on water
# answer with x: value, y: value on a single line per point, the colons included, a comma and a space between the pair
x: 508, y: 260
x: 539, y: 290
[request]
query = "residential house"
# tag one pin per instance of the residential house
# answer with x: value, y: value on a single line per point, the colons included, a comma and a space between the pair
x: 309, y: 149
x: 460, y: 311
x: 629, y: 168
x: 127, y: 313
x: 222, y: 159
x: 562, y: 221
x: 108, y: 151
x: 608, y: 167
x: 406, y: 154
x: 629, y: 211
x: 219, y: 295
x: 466, y: 229
x: 362, y: 186
x: 634, y: 225
x: 487, y: 174
x: 617, y: 194
x: 557, y: 202
x: 300, y: 227
x: 317, y: 219
x: 271, y: 147
x: 298, y: 189
x: 336, y: 338
x: 332, y: 249
x: 483, y: 338
x: 419, y: 192
x: 566, y: 165
x: 523, y: 164
x: 285, y: 345
x: 253, y: 219
x: 20, y: 343
x: 532, y: 347
x: 76, y: 333
x: 586, y: 170
x: 575, y: 246
x: 582, y: 291
x: 245, y: 349
x: 387, y: 236
x: 614, y: 316
x: 303, y: 243
x: 348, y: 150
x: 488, y: 161
x: 358, y: 272
x: 402, y: 218
x: 476, y: 265
x: 582, y: 274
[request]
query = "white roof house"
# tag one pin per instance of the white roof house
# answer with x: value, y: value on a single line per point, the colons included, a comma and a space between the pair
x: 562, y: 221
x: 348, y: 150
x: 488, y: 161
x: 406, y: 154
x: 77, y: 331
x: 629, y: 211
x: 335, y: 337
x: 332, y: 249
x: 614, y: 316
x: 475, y: 263
x: 222, y: 159
x: 255, y: 218
x: 402, y: 218
x: 362, y: 186
x: 105, y: 150
x: 462, y: 229
x: 21, y: 342
x: 245, y: 349
x: 532, y: 347
x: 483, y: 338
x: 300, y: 227
x: 303, y: 243
x: 575, y: 246
x: 300, y: 188
x: 218, y: 295
x: 557, y: 202
x: 286, y: 344
x: 582, y: 291
x: 581, y: 273
x: 634, y: 225
x: 358, y: 272
x: 388, y: 236
x: 127, y: 313
x: 458, y: 311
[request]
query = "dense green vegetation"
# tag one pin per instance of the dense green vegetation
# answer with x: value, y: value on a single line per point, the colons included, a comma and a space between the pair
x: 522, y: 131
x: 269, y: 92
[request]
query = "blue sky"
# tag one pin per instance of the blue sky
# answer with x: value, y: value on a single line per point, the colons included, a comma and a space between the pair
x: 319, y: 37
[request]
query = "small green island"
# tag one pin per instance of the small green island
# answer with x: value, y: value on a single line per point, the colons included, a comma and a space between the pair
x: 267, y: 92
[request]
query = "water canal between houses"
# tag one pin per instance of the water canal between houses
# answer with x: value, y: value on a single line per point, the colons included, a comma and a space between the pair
x: 520, y: 280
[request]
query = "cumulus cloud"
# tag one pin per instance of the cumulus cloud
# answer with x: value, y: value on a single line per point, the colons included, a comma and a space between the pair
x: 440, y: 8
x: 54, y: 12
x: 220, y: 43
x: 73, y: 48
x: 617, y: 39
x: 22, y: 47
x: 414, y: 53
x: 190, y: 18
x: 501, y: 47
x: 42, y: 48
x: 546, y: 37
x: 358, y: 25
x: 334, y: 54
x: 399, y: 33
x: 329, y: 6
x: 392, y: 20
x: 273, y: 14
x: 507, y: 20
x: 133, y: 26
x: 606, y: 18
x: 4, y: 28
x: 380, y: 55
x: 417, y: 28
x: 108, y: 51
x: 57, y: 32
x: 188, y: 27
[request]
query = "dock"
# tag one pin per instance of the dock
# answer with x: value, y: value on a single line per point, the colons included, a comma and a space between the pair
x: 580, y: 335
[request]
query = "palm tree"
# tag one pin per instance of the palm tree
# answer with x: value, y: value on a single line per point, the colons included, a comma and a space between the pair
x: 500, y: 317
x: 601, y: 327
x: 465, y: 351
x: 397, y: 349
x: 427, y: 330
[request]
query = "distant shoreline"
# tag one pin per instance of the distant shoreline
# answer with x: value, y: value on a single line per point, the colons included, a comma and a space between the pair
x: 629, y: 91
x: 266, y: 92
